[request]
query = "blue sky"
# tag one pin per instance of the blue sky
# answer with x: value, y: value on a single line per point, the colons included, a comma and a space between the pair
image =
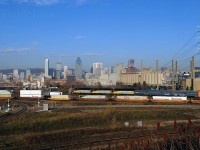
x: 107, y: 31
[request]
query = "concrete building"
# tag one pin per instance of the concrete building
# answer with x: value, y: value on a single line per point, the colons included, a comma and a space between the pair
x: 4, y: 94
x: 152, y: 77
x: 187, y: 85
x: 131, y: 67
x: 65, y: 72
x: 70, y: 71
x: 58, y: 70
x: 22, y: 75
x: 28, y: 74
x: 89, y: 76
x: 107, y: 78
x: 97, y: 67
x: 1, y: 76
x: 197, y: 72
x: 119, y: 70
x: 130, y: 78
x: 71, y: 78
x: 78, y: 69
x: 42, y: 82
x: 46, y: 68
x: 15, y: 73
x: 131, y: 63
x: 111, y: 69
x: 147, y: 75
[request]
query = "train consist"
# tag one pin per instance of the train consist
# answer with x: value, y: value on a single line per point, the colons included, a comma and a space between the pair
x: 108, y: 94
x: 105, y: 91
x: 111, y: 93
x: 98, y: 93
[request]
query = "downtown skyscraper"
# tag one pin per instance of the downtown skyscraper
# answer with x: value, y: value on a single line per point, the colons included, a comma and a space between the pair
x: 46, y: 68
x: 58, y: 70
x: 97, y: 67
x: 65, y: 72
x: 78, y: 69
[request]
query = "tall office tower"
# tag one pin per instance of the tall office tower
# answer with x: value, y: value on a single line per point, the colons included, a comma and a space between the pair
x: 28, y: 73
x: 78, y: 68
x: 22, y: 75
x: 119, y: 70
x: 131, y: 63
x: 58, y: 70
x: 46, y: 68
x: 16, y: 73
x: 1, y: 76
x: 70, y: 71
x: 65, y: 72
x: 112, y: 69
x: 97, y: 67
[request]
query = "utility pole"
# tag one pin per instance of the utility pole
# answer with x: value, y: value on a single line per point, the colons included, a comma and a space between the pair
x: 142, y: 72
x: 176, y: 73
x: 193, y: 73
x: 157, y: 75
x: 173, y: 75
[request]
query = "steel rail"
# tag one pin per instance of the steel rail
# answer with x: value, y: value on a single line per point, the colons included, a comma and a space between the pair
x: 11, y: 116
x: 126, y: 136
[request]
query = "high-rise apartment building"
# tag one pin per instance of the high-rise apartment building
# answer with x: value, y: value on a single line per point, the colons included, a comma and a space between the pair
x: 131, y: 63
x: 119, y: 70
x: 78, y: 68
x: 97, y: 67
x: 58, y: 70
x: 131, y: 67
x: 15, y: 73
x: 46, y: 68
x: 28, y: 74
x: 65, y: 72
x: 1, y: 76
x: 112, y: 69
x: 22, y: 75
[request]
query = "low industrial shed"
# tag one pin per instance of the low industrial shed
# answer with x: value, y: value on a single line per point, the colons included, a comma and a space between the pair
x: 31, y: 94
x: 5, y: 94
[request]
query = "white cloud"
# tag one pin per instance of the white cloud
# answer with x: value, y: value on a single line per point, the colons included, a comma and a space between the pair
x: 11, y: 51
x: 39, y: 2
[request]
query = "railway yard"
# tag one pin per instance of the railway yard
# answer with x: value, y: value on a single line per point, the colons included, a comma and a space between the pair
x: 100, y: 124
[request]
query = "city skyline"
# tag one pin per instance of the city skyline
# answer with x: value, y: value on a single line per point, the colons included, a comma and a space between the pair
x: 107, y: 31
x: 46, y: 66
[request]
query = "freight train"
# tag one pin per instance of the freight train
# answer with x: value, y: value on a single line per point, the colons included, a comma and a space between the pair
x: 111, y: 93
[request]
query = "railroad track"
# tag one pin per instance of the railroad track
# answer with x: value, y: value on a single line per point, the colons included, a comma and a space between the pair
x: 9, y: 116
x: 117, y: 138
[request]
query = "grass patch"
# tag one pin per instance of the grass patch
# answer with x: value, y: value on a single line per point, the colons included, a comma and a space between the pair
x: 51, y: 121
x: 79, y: 123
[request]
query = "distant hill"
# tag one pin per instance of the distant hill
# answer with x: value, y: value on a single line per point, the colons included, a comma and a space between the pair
x: 6, y: 71
x: 36, y: 71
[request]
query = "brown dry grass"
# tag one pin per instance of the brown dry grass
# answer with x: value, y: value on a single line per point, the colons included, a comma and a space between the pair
x: 84, y: 122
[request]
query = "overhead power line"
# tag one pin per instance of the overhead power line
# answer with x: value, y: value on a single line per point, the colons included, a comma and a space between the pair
x: 180, y: 52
